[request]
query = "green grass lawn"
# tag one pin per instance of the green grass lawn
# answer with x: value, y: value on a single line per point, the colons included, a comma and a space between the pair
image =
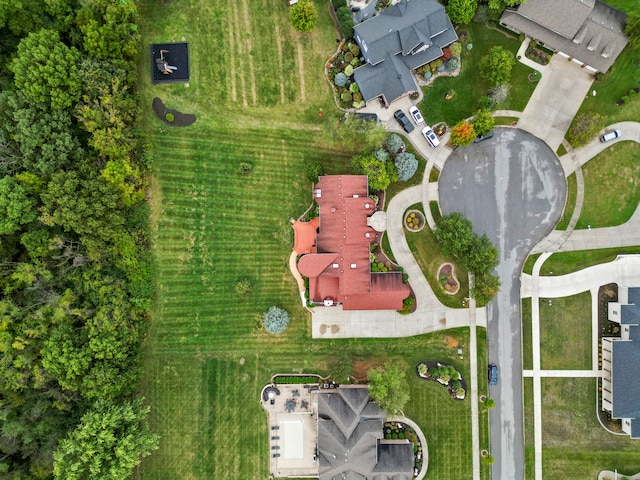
x: 567, y: 262
x: 565, y: 333
x: 469, y: 86
x: 527, y: 345
x: 575, y: 446
x: 612, y: 186
x: 570, y: 205
x: 529, y: 441
x: 425, y: 250
x: 256, y: 88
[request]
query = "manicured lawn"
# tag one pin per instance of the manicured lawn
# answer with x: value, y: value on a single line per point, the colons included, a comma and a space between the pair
x: 575, y: 446
x: 483, y: 416
x: 612, y: 186
x: 425, y: 250
x: 527, y: 346
x: 565, y: 332
x: 570, y: 205
x: 567, y: 262
x: 469, y: 86
x: 529, y: 263
x: 256, y: 88
x: 529, y: 441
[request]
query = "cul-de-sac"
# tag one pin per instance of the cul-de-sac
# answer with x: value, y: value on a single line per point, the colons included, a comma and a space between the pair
x: 320, y: 239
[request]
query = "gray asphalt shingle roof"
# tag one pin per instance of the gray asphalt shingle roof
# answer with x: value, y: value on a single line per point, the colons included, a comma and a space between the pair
x: 349, y: 436
x: 630, y: 314
x: 625, y: 359
x: 398, y: 31
x: 588, y: 30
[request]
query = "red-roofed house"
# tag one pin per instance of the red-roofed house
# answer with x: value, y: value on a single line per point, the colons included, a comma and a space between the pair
x: 338, y: 266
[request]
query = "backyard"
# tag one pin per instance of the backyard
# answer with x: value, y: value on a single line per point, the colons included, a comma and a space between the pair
x: 207, y: 356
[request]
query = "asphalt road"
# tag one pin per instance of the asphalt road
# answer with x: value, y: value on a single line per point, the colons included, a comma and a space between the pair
x: 512, y: 187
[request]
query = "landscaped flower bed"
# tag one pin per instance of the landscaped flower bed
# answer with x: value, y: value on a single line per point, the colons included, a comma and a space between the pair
x: 414, y: 220
x: 446, y: 375
x: 447, y: 279
x: 339, y: 70
x: 537, y: 54
x: 399, y: 431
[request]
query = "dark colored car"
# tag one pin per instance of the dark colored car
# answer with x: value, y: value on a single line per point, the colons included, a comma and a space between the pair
x: 403, y: 121
x: 493, y: 374
x: 480, y: 138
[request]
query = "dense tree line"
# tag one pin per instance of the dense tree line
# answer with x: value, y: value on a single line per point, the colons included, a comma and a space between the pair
x: 75, y: 272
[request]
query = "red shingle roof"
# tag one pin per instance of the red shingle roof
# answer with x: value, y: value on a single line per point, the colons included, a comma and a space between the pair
x: 340, y: 270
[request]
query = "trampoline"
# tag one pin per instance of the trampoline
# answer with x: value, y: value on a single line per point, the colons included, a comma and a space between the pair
x: 170, y: 62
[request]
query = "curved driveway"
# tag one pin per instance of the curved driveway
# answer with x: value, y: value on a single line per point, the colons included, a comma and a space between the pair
x: 512, y: 187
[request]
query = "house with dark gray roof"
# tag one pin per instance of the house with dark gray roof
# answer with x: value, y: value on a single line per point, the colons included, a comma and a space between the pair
x: 621, y: 362
x: 350, y: 439
x: 589, y: 32
x: 403, y: 37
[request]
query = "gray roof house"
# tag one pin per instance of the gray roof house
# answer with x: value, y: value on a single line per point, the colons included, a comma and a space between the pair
x: 621, y: 362
x: 403, y: 37
x: 589, y: 32
x: 350, y: 439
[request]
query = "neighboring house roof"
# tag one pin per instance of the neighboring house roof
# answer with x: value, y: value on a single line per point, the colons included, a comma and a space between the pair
x: 589, y: 30
x: 403, y: 37
x: 350, y: 439
x: 625, y: 358
x: 340, y: 269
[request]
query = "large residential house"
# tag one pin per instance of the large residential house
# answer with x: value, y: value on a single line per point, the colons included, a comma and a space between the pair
x: 350, y: 439
x: 589, y: 32
x: 337, y: 259
x: 621, y: 362
x: 403, y: 37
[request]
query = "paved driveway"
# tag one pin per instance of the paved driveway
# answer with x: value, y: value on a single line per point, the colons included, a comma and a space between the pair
x: 555, y: 101
x: 513, y: 188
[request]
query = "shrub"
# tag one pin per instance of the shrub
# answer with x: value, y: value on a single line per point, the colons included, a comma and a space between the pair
x: 452, y: 64
x: 340, y: 80
x: 346, y: 21
x: 354, y: 88
x: 338, y: 3
x: 483, y: 122
x: 632, y: 93
x: 170, y: 117
x: 462, y: 134
x: 354, y: 49
x: 407, y: 164
x: 394, y: 143
x: 625, y: 99
x: 245, y: 168
x: 314, y: 170
x: 482, y: 14
x: 499, y: 93
x: 348, y: 70
x: 446, y: 53
x: 584, y: 127
x: 427, y: 75
x: 346, y: 97
x: 456, y: 49
x: 276, y: 320
x: 381, y: 154
x: 445, y: 377
x: 422, y: 369
x: 243, y: 286
x: 435, y: 64
x: 348, y: 57
x: 486, y: 103
x: 357, y: 98
x: 433, y: 371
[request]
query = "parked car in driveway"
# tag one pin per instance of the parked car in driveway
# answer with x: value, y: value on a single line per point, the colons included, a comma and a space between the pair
x: 610, y: 135
x: 431, y: 137
x: 493, y: 374
x: 417, y: 116
x: 403, y: 121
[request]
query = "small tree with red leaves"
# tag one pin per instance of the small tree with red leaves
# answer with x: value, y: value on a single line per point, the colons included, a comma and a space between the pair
x: 463, y: 133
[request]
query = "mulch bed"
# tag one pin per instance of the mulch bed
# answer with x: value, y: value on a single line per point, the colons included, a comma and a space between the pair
x: 179, y: 119
x: 452, y: 281
x: 450, y: 389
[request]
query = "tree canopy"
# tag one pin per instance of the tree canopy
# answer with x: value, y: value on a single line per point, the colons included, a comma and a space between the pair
x: 632, y: 29
x: 483, y: 122
x: 462, y: 133
x: 303, y: 15
x: 16, y: 206
x: 496, y: 65
x: 388, y: 387
x: 276, y: 320
x: 461, y: 11
x: 46, y: 70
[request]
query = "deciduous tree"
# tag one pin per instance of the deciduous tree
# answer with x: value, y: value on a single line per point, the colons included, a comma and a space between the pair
x: 388, y: 387
x: 16, y: 206
x: 463, y: 133
x: 461, y: 11
x: 483, y: 122
x: 496, y: 65
x: 584, y: 127
x: 46, y: 70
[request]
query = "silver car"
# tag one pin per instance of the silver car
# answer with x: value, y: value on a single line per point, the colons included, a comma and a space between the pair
x: 417, y: 116
x: 431, y: 137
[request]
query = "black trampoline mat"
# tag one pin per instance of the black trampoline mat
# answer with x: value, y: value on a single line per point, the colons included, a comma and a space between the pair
x: 175, y: 59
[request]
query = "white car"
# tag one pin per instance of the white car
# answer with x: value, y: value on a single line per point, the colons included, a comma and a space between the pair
x: 417, y: 116
x: 431, y: 137
x: 610, y: 135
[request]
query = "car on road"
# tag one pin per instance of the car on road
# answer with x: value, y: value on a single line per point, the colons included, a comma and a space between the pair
x: 493, y: 374
x: 486, y: 136
x: 610, y: 135
x: 403, y: 121
x: 431, y: 137
x: 417, y: 116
